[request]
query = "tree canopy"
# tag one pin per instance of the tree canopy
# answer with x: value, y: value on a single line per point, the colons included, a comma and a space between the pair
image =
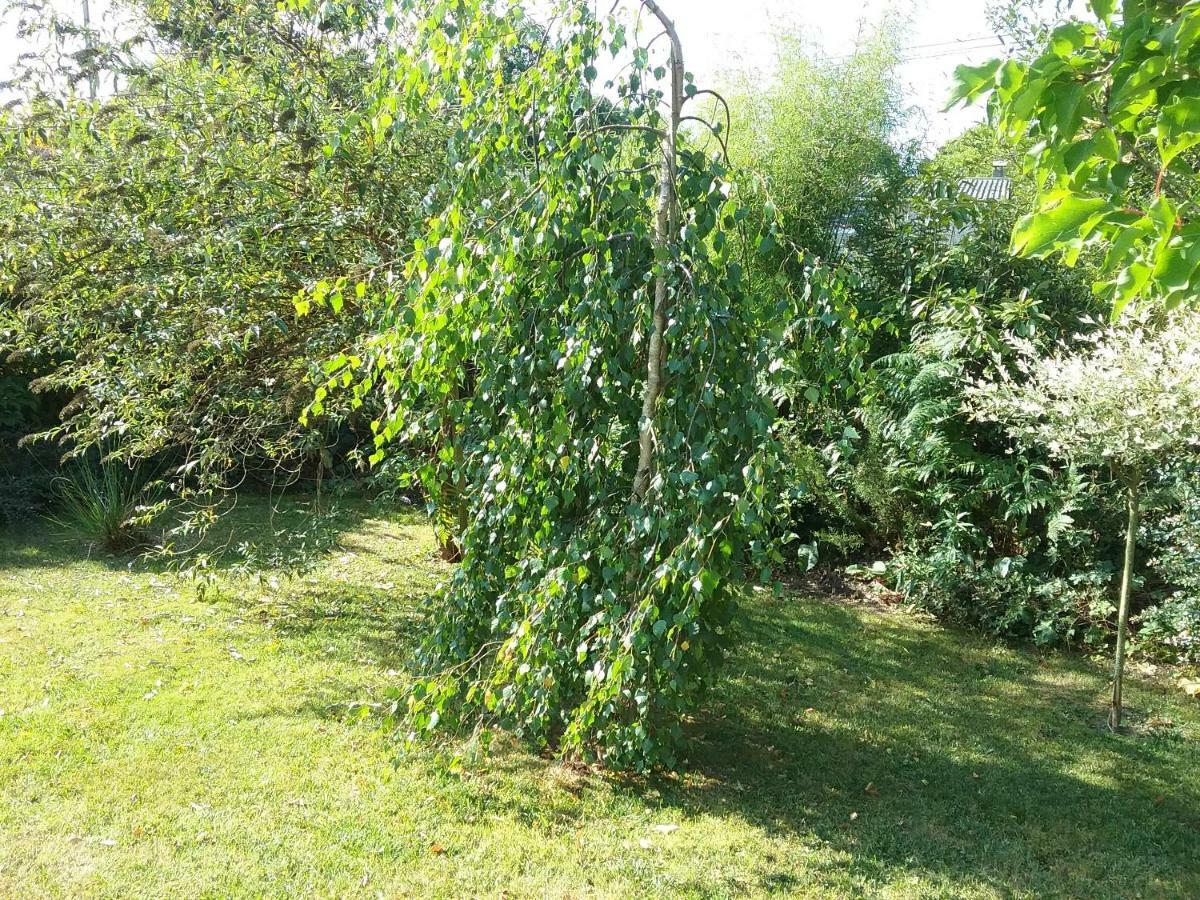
x: 154, y: 240
x: 1111, y: 110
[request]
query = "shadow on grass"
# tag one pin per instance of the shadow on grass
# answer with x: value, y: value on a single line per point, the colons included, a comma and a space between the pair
x: 258, y: 535
x: 911, y: 750
x: 926, y: 750
x: 371, y: 624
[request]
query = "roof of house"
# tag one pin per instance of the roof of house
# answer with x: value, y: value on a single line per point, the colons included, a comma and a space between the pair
x: 994, y: 187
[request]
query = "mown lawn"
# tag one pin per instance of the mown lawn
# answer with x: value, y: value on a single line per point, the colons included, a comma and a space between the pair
x: 158, y: 743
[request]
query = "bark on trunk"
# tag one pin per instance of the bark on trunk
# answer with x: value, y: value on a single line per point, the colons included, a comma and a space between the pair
x: 1132, y: 487
x: 665, y: 228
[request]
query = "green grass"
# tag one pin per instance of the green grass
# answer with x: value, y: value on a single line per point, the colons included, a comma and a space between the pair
x: 155, y: 743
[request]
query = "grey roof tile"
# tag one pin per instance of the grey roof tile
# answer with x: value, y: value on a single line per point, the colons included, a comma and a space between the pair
x: 995, y: 187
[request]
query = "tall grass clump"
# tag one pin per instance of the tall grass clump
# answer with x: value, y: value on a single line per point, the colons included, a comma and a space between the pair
x: 105, y: 502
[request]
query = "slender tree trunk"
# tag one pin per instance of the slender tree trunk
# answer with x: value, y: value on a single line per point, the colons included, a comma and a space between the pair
x: 452, y: 511
x: 666, y: 226
x: 87, y: 39
x: 1132, y: 487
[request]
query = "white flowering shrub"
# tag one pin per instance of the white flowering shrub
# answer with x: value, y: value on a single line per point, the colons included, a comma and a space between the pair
x: 1130, y: 403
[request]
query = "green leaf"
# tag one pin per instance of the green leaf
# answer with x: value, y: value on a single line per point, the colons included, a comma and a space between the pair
x: 1063, y: 221
x: 1066, y: 110
x: 1130, y: 283
x: 1079, y: 153
x: 1105, y: 146
x: 1178, y: 128
x: 1066, y: 39
x: 971, y: 82
x: 1135, y: 93
x: 1176, y: 269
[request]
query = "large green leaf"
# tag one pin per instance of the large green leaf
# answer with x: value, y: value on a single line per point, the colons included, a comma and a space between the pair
x: 1103, y: 9
x: 1178, y: 128
x: 971, y: 82
x: 1065, y: 220
x: 1176, y: 269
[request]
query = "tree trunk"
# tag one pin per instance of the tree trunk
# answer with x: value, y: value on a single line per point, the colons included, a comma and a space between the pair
x: 452, y: 507
x: 93, y: 78
x: 666, y: 226
x: 1132, y: 487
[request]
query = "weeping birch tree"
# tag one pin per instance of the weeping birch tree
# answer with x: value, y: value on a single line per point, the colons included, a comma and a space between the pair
x: 576, y: 319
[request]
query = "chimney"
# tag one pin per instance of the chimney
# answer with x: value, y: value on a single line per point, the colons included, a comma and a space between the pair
x: 999, y: 168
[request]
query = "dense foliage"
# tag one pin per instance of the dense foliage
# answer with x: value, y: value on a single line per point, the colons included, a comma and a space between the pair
x: 1112, y: 110
x: 1169, y: 629
x: 26, y: 473
x: 154, y: 241
x: 887, y: 465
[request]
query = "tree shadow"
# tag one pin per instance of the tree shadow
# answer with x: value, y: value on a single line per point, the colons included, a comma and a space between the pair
x: 365, y: 622
x: 909, y: 749
x: 255, y: 536
x: 924, y: 750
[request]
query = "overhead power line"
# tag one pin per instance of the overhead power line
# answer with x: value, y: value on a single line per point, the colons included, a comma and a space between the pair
x: 934, y: 49
x: 954, y: 42
x: 950, y: 53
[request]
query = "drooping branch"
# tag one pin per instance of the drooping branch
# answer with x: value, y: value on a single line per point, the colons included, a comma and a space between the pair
x: 724, y: 142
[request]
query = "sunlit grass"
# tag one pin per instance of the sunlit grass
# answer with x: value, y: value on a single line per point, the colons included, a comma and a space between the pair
x: 155, y: 742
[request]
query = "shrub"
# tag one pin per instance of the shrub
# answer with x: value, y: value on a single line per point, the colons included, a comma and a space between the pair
x: 1169, y: 630
x: 1127, y: 405
x: 178, y: 334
